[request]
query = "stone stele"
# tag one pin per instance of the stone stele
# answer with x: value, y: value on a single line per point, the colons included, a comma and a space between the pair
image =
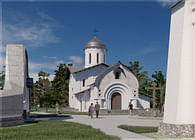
x: 14, y: 98
x: 179, y: 113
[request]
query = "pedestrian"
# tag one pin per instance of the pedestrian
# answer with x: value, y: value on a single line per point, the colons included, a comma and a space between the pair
x: 130, y: 108
x: 91, y: 109
x: 38, y: 106
x: 97, y: 109
x: 57, y: 107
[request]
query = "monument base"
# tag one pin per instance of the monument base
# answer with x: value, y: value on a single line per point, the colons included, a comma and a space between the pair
x: 174, y: 130
x: 11, y: 121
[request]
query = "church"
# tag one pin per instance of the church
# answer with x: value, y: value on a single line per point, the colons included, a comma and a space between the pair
x: 113, y: 87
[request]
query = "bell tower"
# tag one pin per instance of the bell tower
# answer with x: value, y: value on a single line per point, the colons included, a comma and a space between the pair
x: 95, y: 52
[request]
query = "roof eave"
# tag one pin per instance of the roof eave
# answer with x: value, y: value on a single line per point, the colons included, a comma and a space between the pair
x: 176, y: 4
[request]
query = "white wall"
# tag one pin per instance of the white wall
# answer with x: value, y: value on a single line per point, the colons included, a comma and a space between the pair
x: 76, y: 86
x: 179, y: 101
x: 93, y: 52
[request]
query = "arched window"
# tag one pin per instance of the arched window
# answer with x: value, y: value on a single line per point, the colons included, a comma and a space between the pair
x: 97, y: 58
x: 117, y: 75
x: 90, y: 58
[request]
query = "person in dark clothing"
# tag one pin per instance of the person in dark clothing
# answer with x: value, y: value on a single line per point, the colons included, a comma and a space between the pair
x: 97, y: 109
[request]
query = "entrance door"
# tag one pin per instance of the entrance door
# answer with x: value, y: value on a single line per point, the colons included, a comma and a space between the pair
x: 116, y: 101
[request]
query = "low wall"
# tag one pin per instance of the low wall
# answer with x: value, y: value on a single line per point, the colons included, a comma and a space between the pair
x: 147, y: 112
x: 173, y: 130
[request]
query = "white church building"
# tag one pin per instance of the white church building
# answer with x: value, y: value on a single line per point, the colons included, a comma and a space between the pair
x: 114, y: 87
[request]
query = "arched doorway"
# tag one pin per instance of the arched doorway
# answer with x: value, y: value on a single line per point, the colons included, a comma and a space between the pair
x: 116, y: 101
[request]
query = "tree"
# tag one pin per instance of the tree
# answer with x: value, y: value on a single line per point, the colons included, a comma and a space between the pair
x: 161, y: 82
x: 2, y: 78
x: 43, y: 87
x: 142, y: 76
x: 60, y: 85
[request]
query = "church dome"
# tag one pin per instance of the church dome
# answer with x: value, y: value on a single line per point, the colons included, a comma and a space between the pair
x: 95, y: 43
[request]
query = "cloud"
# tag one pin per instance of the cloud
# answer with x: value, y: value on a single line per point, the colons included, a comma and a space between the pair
x: 59, y: 62
x: 19, y: 28
x: 36, y: 35
x: 2, y: 49
x: 34, y: 66
x: 44, y: 16
x: 165, y: 3
x: 76, y: 59
x: 146, y: 51
x: 36, y: 77
x: 50, y: 57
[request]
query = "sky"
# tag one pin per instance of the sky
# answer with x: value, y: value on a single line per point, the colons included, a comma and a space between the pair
x: 56, y: 32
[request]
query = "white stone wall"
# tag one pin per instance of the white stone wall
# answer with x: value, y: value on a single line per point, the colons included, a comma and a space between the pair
x: 94, y: 52
x: 143, y: 102
x: 127, y: 86
x: 76, y: 87
x: 180, y: 89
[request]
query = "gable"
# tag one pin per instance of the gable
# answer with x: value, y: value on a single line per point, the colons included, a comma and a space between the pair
x: 108, y: 76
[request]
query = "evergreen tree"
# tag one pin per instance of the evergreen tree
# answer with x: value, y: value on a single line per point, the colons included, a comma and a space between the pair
x: 42, y: 90
x: 141, y: 75
x: 60, y: 85
x: 161, y: 82
x: 2, y: 78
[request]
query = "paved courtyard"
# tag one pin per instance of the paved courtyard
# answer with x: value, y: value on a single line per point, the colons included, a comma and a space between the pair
x: 108, y: 124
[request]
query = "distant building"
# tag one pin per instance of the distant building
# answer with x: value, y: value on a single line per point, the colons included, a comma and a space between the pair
x: 114, y: 87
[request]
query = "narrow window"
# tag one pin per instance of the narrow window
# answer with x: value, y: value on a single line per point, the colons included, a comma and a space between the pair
x: 97, y: 58
x: 104, y: 58
x: 83, y: 83
x: 90, y: 58
x: 117, y: 75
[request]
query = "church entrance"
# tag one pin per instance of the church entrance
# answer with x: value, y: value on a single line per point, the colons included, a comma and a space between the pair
x: 116, y: 101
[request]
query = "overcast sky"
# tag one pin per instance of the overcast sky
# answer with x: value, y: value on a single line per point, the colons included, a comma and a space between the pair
x: 56, y: 32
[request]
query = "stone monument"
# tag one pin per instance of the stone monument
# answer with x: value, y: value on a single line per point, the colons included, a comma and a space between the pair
x: 179, y: 113
x: 14, y: 98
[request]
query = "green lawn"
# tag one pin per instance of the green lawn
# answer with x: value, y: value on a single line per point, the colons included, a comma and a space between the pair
x: 53, y: 130
x: 73, y: 113
x: 34, y: 115
x: 139, y: 129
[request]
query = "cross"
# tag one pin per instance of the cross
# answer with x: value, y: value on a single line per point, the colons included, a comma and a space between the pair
x: 154, y: 88
x: 95, y: 31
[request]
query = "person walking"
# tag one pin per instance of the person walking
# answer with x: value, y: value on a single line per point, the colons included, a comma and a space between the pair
x: 91, y: 109
x: 97, y: 109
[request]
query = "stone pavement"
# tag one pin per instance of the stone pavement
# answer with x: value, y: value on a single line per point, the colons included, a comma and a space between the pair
x: 108, y: 124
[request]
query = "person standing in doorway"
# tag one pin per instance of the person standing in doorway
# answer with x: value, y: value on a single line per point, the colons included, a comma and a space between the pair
x: 130, y: 108
x: 91, y: 109
x: 97, y: 109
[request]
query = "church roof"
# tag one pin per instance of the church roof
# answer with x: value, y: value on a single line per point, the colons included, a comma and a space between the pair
x: 80, y: 69
x: 177, y: 3
x: 75, y: 69
x: 117, y: 64
x: 95, y: 43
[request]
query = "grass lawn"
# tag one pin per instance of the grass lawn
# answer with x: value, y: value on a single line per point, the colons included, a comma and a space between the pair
x: 34, y: 115
x: 73, y: 113
x: 139, y: 129
x: 53, y: 130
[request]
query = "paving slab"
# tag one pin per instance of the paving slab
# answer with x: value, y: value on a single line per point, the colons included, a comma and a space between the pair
x: 108, y: 125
